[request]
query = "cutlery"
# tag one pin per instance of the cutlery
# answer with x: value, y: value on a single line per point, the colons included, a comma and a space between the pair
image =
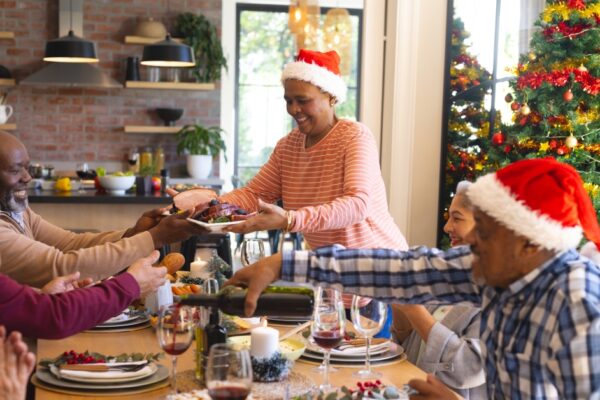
x: 103, y: 367
x: 292, y: 332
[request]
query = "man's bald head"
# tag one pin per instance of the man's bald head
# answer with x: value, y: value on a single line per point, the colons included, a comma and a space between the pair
x: 14, y: 173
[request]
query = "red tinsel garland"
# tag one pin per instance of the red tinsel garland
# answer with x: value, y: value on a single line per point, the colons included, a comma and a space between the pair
x: 566, y: 30
x: 534, y: 80
x: 576, y: 4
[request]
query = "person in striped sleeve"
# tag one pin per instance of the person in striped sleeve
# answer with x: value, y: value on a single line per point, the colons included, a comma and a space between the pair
x: 540, y: 298
x: 326, y: 170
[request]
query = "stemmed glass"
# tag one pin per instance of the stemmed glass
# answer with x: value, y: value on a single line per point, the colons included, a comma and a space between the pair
x: 251, y: 251
x: 228, y: 372
x: 175, y: 333
x: 328, y: 326
x: 368, y: 317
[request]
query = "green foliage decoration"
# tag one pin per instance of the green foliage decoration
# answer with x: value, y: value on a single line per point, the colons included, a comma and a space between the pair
x: 199, y: 33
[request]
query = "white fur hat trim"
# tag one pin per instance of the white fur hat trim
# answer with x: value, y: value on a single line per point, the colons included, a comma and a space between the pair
x: 496, y: 200
x: 318, y: 76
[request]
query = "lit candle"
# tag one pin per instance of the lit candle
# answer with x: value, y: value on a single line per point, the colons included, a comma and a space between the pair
x: 199, y: 269
x: 264, y: 342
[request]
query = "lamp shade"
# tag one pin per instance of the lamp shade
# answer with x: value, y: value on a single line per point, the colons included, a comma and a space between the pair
x: 168, y: 53
x: 70, y: 49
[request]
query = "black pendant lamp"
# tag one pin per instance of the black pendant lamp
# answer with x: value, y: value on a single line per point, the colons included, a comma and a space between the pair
x: 168, y: 53
x: 71, y: 49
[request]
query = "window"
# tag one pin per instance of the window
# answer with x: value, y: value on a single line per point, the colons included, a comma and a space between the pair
x: 484, y: 41
x: 264, y: 45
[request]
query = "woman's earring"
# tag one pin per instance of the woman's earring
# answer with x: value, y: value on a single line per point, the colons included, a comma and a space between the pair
x: 332, y: 102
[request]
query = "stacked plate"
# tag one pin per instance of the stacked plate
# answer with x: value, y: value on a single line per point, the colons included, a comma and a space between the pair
x: 126, y: 320
x: 288, y: 320
x: 116, y: 377
x: 351, y: 355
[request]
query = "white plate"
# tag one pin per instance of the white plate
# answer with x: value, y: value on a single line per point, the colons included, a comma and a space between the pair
x: 375, y: 349
x: 100, y: 377
x: 214, y: 227
x: 391, y: 354
x: 46, y: 376
x: 132, y: 322
x: 119, y: 319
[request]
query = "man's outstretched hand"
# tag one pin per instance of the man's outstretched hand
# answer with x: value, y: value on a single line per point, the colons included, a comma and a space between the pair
x: 256, y: 278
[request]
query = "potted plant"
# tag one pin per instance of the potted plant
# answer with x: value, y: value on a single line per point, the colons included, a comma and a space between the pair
x: 200, y: 144
x: 199, y: 33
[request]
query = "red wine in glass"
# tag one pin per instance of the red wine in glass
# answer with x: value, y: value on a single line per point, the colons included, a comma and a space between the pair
x: 175, y: 349
x: 328, y: 339
x: 229, y: 393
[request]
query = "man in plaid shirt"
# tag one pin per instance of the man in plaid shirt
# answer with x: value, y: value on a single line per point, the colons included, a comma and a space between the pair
x: 540, y: 299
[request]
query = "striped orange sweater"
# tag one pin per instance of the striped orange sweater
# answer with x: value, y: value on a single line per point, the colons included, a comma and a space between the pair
x: 335, y: 188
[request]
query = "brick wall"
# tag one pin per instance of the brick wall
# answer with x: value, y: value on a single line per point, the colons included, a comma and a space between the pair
x: 76, y: 124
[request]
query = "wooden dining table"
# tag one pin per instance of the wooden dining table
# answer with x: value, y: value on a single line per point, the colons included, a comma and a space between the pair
x: 144, y: 341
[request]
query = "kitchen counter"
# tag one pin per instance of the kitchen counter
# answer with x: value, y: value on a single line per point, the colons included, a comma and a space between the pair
x: 93, y: 197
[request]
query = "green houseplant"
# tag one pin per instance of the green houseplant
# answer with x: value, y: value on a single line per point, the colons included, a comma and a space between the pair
x: 200, y: 144
x: 199, y: 33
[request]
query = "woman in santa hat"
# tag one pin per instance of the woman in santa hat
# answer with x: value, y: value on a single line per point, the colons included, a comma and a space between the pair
x: 325, y: 171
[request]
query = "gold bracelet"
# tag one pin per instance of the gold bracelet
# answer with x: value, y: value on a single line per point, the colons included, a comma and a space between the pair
x: 290, y: 221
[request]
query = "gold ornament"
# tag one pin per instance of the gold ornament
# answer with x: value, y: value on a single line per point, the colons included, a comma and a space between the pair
x: 571, y: 142
x: 525, y: 110
x: 531, y: 56
x: 544, y: 146
x: 582, y: 68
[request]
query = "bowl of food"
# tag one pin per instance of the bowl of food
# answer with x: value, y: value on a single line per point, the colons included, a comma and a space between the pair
x: 116, y: 184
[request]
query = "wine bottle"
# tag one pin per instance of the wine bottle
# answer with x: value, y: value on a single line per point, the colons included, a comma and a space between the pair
x: 274, y: 301
x: 214, y: 333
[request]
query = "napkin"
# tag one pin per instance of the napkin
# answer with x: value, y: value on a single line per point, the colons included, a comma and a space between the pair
x: 124, y: 316
x: 350, y: 349
x: 147, y: 370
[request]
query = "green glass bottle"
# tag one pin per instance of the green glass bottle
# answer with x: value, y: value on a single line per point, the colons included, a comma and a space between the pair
x: 281, y: 301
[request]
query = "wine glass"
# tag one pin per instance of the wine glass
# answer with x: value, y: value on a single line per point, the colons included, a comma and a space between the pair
x: 175, y: 333
x: 251, y: 251
x: 228, y: 372
x: 368, y: 317
x: 327, y: 329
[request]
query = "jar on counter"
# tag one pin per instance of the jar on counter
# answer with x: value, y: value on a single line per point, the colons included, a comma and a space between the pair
x: 159, y: 160
x: 146, y: 161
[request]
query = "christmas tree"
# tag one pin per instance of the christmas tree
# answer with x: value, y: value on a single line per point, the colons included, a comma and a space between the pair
x: 468, y: 119
x: 555, y: 99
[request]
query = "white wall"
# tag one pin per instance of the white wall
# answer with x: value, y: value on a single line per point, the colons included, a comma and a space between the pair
x: 410, y: 108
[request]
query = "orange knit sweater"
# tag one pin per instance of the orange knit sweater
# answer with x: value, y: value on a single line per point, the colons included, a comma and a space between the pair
x: 335, y: 188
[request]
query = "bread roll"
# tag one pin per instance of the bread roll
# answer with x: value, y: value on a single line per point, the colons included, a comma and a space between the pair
x: 173, y: 262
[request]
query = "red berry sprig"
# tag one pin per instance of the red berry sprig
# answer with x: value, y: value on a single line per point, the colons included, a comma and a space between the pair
x: 72, y: 357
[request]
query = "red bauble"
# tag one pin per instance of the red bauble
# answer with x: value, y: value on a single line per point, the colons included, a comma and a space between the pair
x: 515, y: 106
x: 568, y: 95
x: 562, y: 150
x: 498, y: 138
x: 553, y: 144
x: 507, y: 148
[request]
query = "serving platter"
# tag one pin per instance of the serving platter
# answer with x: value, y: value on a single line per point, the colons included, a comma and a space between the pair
x: 138, y: 320
x: 214, y: 227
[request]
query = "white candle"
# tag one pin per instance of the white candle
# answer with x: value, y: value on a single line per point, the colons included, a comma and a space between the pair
x: 199, y: 269
x: 264, y: 341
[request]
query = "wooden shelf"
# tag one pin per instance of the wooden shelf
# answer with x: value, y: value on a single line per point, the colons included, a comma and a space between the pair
x: 8, y: 127
x: 7, y: 82
x: 147, y: 40
x: 169, y: 85
x: 151, y: 129
x: 7, y: 35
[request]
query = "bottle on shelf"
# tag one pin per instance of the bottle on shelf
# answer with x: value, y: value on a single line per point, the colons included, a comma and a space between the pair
x: 164, y: 180
x: 159, y: 160
x: 146, y: 162
x: 274, y: 301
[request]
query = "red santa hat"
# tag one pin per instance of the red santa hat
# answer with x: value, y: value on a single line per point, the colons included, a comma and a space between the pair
x: 320, y: 69
x: 540, y: 199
